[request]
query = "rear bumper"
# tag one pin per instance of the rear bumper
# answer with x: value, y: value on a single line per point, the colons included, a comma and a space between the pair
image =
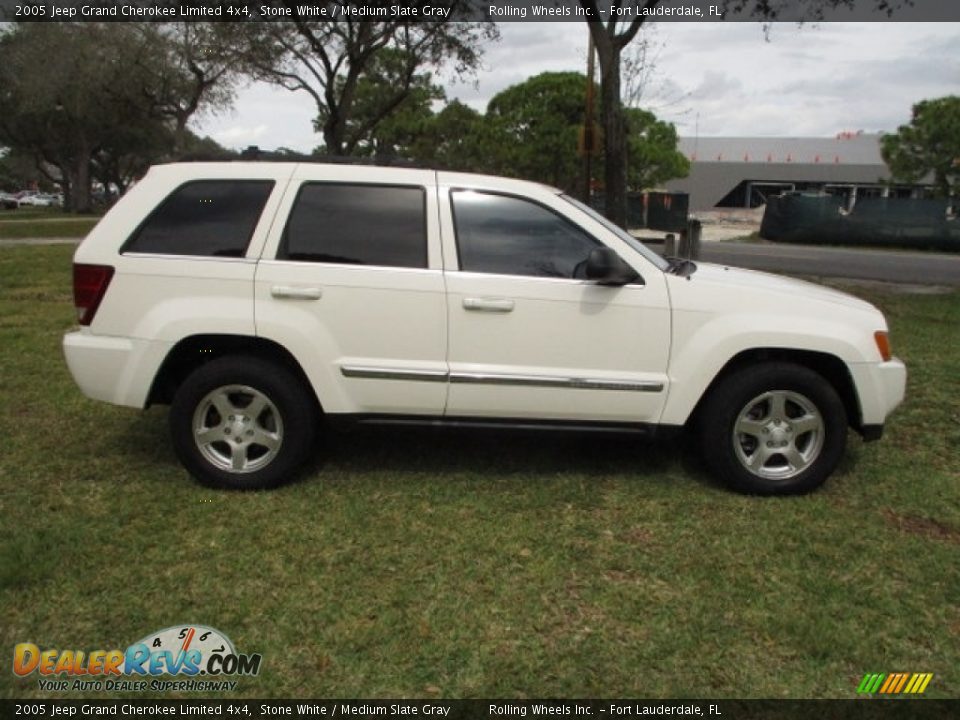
x: 113, y: 369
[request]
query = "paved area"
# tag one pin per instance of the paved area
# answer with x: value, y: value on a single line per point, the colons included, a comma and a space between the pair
x: 892, y: 266
x: 896, y: 266
x: 40, y: 241
x: 886, y: 265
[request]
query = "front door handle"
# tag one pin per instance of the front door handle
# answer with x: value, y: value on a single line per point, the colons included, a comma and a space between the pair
x: 500, y: 305
x: 296, y: 293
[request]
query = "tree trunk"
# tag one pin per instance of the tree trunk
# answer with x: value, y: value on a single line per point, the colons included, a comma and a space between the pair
x: 941, y: 182
x: 180, y: 134
x: 333, y: 135
x: 78, y: 176
x: 66, y: 186
x: 614, y: 137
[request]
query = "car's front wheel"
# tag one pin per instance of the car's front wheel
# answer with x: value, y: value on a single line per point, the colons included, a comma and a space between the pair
x: 242, y: 423
x: 773, y: 429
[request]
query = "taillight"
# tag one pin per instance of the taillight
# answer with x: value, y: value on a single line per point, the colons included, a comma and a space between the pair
x: 90, y: 284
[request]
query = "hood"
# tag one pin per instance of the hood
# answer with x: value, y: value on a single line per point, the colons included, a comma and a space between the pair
x: 753, y: 280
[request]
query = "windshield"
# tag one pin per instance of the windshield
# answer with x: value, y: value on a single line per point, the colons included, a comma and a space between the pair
x: 620, y: 233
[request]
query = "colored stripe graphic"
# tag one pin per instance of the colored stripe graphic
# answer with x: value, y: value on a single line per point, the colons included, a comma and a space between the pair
x: 891, y: 679
x: 903, y: 681
x: 869, y: 682
x: 894, y: 683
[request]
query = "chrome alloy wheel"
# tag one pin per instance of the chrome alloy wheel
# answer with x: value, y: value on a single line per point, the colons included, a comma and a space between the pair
x: 778, y: 434
x: 237, y: 429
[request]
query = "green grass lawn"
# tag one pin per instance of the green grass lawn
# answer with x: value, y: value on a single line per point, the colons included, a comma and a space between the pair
x: 417, y: 563
x: 32, y: 212
x: 42, y: 223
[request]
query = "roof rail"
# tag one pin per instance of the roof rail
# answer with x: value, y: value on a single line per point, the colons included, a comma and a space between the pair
x: 256, y: 154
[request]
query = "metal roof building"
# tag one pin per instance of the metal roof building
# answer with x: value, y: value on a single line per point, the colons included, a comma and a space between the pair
x: 742, y: 172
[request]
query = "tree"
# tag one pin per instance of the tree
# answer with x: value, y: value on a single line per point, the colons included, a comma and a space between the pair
x: 459, y: 138
x: 652, y: 155
x: 104, y: 98
x: 329, y: 59
x: 183, y: 69
x: 129, y: 152
x: 56, y: 99
x: 532, y: 128
x: 612, y: 35
x: 135, y: 148
x: 392, y: 135
x: 929, y: 144
x: 18, y: 170
x: 539, y: 120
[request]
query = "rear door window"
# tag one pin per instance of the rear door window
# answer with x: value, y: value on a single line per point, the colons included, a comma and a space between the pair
x: 355, y: 224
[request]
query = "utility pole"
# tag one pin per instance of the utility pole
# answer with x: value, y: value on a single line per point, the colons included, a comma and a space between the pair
x: 588, y: 139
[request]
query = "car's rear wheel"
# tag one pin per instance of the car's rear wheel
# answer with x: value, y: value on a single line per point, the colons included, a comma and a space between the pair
x: 242, y: 423
x: 773, y: 429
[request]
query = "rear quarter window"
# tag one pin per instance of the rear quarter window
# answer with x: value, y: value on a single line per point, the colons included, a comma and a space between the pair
x: 213, y: 218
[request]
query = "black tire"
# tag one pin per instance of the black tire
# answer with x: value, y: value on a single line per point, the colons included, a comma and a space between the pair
x: 264, y: 450
x: 773, y: 429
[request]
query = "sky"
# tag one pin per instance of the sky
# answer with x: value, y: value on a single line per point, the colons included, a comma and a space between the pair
x: 709, y: 79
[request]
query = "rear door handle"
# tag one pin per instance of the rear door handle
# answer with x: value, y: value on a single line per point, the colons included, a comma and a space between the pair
x: 296, y: 293
x: 500, y: 305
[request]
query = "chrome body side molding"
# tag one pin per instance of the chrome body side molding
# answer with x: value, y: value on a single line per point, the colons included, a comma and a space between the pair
x: 475, y: 378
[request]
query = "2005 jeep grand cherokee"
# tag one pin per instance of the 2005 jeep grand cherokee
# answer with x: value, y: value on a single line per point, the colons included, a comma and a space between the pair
x: 259, y: 298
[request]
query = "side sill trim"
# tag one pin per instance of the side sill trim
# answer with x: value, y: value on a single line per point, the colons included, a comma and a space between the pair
x: 467, y: 378
x: 349, y: 421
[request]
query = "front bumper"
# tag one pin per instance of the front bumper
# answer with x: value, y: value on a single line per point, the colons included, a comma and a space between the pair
x: 880, y: 388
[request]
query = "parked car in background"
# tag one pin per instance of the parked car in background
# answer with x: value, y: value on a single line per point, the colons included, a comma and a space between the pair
x: 38, y: 199
x: 8, y: 201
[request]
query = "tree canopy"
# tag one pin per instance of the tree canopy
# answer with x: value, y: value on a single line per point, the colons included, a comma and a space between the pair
x: 538, y: 121
x: 652, y: 155
x: 387, y: 136
x: 456, y: 138
x: 334, y: 60
x: 102, y: 100
x: 535, y: 125
x: 530, y: 130
x: 928, y: 145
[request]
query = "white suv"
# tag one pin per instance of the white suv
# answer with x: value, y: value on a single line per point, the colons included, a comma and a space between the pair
x: 259, y: 298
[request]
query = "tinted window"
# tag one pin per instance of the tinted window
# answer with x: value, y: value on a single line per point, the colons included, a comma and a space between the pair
x: 357, y: 225
x: 207, y: 217
x: 510, y: 236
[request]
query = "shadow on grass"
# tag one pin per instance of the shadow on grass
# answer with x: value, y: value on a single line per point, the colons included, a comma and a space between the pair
x: 508, y: 454
x: 478, y: 453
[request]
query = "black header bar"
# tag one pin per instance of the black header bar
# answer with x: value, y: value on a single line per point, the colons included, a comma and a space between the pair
x: 594, y: 709
x: 479, y: 10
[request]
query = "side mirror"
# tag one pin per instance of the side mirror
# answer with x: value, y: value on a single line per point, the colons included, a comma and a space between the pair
x: 607, y: 268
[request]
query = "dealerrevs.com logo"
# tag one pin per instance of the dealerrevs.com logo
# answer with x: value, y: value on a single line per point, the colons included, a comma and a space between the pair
x: 203, y: 655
